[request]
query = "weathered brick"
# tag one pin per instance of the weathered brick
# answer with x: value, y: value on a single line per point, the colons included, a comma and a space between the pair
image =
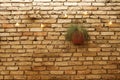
x: 98, y: 4
x: 107, y: 33
x: 110, y: 66
x: 94, y: 49
x: 84, y: 4
x: 89, y: 0
x: 64, y: 21
x: 60, y: 8
x: 12, y: 68
x: 43, y: 0
x: 70, y: 72
x: 61, y: 63
x: 39, y: 68
x: 56, y: 72
x: 99, y: 71
x: 70, y: 4
x: 59, y: 0
x: 36, y: 29
x: 16, y: 72
x: 31, y: 72
x: 93, y: 76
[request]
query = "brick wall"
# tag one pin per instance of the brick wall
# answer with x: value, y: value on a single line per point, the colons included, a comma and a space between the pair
x: 36, y: 49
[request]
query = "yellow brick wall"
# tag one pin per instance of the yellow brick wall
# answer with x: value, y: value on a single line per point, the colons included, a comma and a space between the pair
x: 36, y: 49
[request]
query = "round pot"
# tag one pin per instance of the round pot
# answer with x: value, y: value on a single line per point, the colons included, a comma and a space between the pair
x: 77, y: 38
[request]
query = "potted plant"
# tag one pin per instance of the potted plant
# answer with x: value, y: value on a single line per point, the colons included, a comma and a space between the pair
x: 77, y: 34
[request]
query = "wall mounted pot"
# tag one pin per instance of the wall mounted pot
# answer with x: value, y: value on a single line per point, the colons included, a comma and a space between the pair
x: 77, y: 38
x: 77, y: 34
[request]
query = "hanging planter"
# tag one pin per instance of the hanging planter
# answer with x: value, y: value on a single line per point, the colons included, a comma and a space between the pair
x: 77, y: 34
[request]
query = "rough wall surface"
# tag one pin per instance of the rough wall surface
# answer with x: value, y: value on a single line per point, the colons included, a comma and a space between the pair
x: 36, y: 49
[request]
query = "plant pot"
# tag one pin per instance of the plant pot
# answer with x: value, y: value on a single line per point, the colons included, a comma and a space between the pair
x: 77, y: 38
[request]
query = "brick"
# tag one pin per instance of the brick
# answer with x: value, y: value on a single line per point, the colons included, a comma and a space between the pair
x: 84, y: 4
x: 100, y: 62
x: 100, y: 0
x: 110, y: 67
x: 66, y: 68
x: 56, y: 4
x: 114, y: 41
x: 52, y: 37
x: 93, y: 76
x: 24, y: 63
x: 43, y: 1
x: 94, y: 49
x: 109, y: 76
x: 56, y: 72
x: 19, y: 77
x: 21, y: 1
x: 95, y: 67
x: 94, y: 33
x: 99, y: 12
x: 16, y: 72
x: 64, y: 20
x: 5, y: 46
x: 107, y: 33
x: 39, y: 68
x: 84, y: 72
x: 16, y: 46
x: 70, y: 4
x: 5, y: 1
x: 93, y: 21
x: 75, y: 63
x: 46, y: 8
x: 87, y: 63
x: 60, y: 8
x: 80, y: 67
x: 5, y: 4
x: 89, y: 0
x: 6, y: 25
x: 52, y: 68
x: 29, y: 46
x: 4, y: 34
x: 25, y: 68
x: 113, y: 71
x: 66, y: 55
x: 59, y: 0
x: 70, y: 72
x: 36, y: 29
x: 99, y: 71
x: 8, y: 77
x: 79, y: 77
x: 89, y: 58
x: 12, y: 68
x: 61, y: 63
x: 22, y: 29
x: 23, y: 59
x: 105, y: 45
x: 98, y: 4
x: 48, y: 63
x: 114, y: 29
x: 46, y: 21
x: 9, y: 63
x: 5, y: 72
x: 44, y: 72
x: 31, y: 72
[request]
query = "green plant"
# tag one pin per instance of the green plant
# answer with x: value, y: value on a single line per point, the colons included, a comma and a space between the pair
x: 77, y: 34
